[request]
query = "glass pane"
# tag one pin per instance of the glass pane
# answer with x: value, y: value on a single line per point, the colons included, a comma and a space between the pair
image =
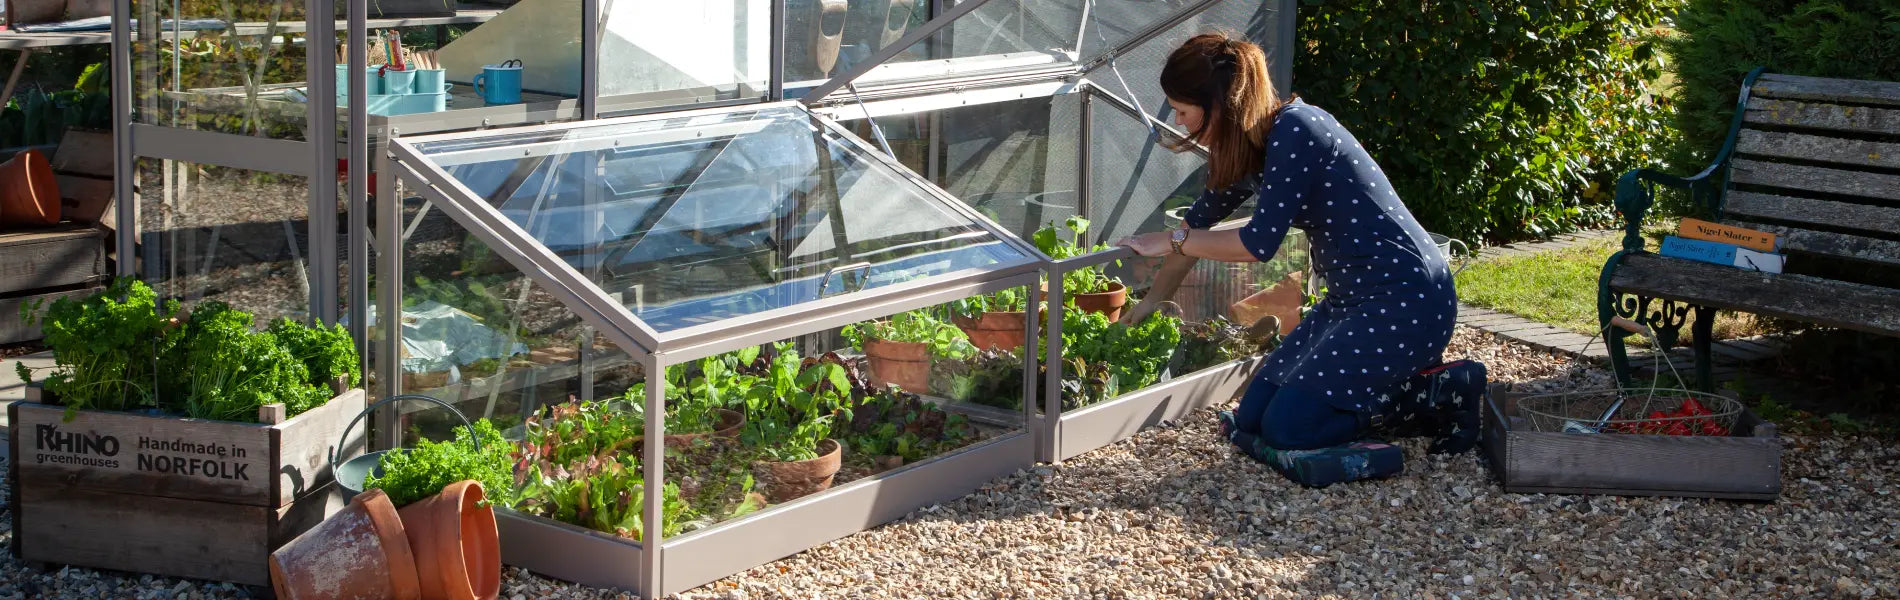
x: 948, y: 396
x: 827, y: 37
x: 215, y: 233
x: 1136, y: 73
x: 527, y: 54
x: 480, y: 335
x: 660, y: 53
x: 1015, y: 162
x: 690, y: 220
x: 1001, y: 35
x: 1135, y: 184
x: 219, y: 66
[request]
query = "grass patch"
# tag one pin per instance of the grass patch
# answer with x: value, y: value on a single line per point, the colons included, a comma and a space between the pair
x: 1559, y: 287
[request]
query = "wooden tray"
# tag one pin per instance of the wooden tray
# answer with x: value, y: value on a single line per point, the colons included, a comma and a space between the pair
x: 1745, y: 465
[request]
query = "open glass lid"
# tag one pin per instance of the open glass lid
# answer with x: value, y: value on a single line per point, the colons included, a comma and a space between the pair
x: 694, y: 218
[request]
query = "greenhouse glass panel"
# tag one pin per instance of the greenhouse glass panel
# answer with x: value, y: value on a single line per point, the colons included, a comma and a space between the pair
x: 694, y: 219
x: 997, y: 36
x: 661, y: 53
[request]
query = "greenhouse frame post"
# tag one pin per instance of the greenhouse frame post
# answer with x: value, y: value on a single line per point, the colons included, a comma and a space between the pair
x: 1084, y: 175
x: 389, y: 228
x: 775, y: 67
x: 1052, y: 382
x: 590, y: 58
x: 654, y: 470
x: 357, y: 187
x: 124, y: 166
x: 319, y: 70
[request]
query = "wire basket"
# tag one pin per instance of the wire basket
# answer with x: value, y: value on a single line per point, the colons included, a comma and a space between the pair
x: 1654, y: 411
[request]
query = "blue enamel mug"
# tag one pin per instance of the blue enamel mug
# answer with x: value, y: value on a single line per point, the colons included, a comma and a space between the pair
x: 500, y: 84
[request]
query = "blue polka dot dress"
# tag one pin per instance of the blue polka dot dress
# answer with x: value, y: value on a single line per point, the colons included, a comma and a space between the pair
x: 1390, y: 305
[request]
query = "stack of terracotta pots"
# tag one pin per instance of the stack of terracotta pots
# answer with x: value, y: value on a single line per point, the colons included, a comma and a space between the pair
x: 444, y: 547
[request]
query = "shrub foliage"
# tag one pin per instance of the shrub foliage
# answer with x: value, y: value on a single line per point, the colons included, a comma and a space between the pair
x: 1494, y: 119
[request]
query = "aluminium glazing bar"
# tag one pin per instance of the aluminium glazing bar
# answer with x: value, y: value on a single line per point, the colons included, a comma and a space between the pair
x: 836, y: 311
x: 357, y: 175
x: 389, y: 264
x: 928, y: 29
x: 124, y: 165
x: 1146, y: 34
x: 775, y: 68
x: 417, y: 140
x: 593, y: 18
x: 945, y: 99
x: 1084, y: 172
x: 484, y: 218
x: 247, y: 152
x: 321, y: 229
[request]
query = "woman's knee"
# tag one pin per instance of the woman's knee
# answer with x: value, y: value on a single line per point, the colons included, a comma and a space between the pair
x: 1299, y: 420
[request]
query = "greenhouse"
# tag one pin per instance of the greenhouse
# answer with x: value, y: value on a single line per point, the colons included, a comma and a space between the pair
x: 810, y: 233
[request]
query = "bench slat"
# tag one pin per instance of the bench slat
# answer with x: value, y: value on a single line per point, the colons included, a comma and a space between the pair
x: 1828, y: 117
x: 1830, y: 303
x: 1859, y: 153
x: 1833, y: 245
x: 1852, y: 91
x: 1816, y: 179
x: 1860, y: 218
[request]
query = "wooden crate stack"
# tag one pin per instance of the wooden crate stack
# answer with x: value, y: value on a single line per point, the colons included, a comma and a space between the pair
x: 70, y: 259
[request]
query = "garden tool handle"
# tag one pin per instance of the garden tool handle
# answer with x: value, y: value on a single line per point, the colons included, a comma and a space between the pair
x: 379, y: 404
x: 1174, y: 270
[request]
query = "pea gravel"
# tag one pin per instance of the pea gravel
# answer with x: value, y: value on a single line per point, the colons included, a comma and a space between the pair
x: 1174, y: 513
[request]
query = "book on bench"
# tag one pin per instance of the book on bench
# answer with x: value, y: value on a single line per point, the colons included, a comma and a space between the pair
x: 1728, y: 255
x: 1760, y: 241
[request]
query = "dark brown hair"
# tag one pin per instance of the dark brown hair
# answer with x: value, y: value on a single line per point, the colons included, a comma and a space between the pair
x: 1227, y: 78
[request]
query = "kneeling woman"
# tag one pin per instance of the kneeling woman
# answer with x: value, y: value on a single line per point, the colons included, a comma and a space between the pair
x: 1367, y: 359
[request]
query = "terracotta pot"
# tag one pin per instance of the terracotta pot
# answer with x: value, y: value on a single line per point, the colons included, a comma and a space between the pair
x: 728, y: 427
x: 787, y: 481
x: 906, y: 364
x: 28, y: 194
x: 359, y: 552
x: 1108, y: 303
x: 999, y: 330
x: 1283, y: 300
x: 457, y: 548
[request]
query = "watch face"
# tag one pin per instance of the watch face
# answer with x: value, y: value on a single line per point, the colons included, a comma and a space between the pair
x: 1180, y: 235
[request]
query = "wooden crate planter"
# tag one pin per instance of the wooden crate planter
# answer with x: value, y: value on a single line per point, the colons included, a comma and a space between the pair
x: 167, y: 495
x: 1745, y: 465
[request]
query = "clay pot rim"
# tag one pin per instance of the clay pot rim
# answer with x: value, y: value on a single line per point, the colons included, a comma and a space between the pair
x: 836, y: 449
x: 403, y: 577
x: 1114, y: 287
x: 897, y: 351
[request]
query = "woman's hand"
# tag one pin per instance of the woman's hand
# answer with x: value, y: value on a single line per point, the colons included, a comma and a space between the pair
x: 1149, y: 244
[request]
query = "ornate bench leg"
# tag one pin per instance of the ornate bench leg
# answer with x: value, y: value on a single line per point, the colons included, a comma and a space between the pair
x: 1611, y: 304
x: 1704, y: 332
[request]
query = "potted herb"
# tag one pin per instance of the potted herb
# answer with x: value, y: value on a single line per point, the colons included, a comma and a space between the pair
x: 900, y: 349
x: 995, y: 321
x: 446, y: 493
x: 789, y: 421
x: 1090, y: 289
x: 1132, y: 357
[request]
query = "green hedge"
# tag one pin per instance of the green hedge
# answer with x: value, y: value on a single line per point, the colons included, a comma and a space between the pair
x: 1719, y: 41
x: 1494, y: 119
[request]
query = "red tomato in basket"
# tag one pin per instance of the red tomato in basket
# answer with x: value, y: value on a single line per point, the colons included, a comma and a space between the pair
x: 1710, y: 428
x: 1691, y: 408
x: 1679, y: 428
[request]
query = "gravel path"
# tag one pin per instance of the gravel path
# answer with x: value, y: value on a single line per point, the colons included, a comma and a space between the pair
x: 1175, y: 513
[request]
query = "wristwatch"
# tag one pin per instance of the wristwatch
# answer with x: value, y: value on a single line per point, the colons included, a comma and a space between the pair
x: 1177, y: 238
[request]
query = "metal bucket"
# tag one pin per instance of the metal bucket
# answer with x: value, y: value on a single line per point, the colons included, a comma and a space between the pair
x: 1444, y: 244
x: 351, y: 474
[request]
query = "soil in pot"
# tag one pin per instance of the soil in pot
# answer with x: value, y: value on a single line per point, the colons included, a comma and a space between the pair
x: 456, y: 544
x: 994, y: 330
x: 360, y: 552
x: 906, y: 364
x: 787, y: 481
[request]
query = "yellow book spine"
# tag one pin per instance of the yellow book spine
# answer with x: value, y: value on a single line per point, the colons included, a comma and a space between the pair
x: 1697, y: 229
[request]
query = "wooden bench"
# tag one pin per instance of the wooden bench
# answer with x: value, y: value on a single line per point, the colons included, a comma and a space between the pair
x: 1815, y: 161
